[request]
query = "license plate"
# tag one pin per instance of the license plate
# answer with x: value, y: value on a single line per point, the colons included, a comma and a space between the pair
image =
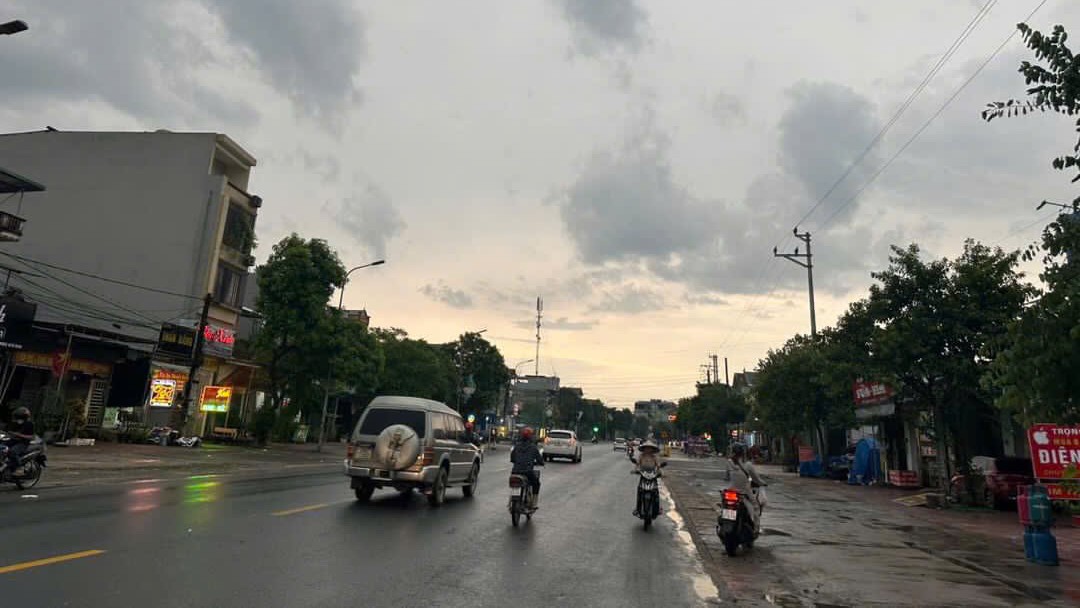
x: 378, y: 473
x: 730, y: 514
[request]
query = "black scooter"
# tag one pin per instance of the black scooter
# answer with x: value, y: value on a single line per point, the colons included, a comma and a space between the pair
x: 32, y: 463
x: 648, y: 494
x: 735, y: 526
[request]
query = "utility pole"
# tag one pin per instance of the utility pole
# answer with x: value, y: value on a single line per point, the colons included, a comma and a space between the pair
x: 180, y: 417
x: 715, y: 369
x: 809, y: 266
x: 727, y: 379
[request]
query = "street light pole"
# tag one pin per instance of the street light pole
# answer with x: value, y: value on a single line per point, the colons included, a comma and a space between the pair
x: 330, y: 369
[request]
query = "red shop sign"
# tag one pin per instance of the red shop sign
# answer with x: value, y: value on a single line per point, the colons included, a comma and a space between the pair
x: 1054, y: 449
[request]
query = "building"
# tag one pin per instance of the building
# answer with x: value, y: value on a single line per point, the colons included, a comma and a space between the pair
x: 655, y: 409
x: 359, y: 316
x: 532, y: 397
x: 134, y: 232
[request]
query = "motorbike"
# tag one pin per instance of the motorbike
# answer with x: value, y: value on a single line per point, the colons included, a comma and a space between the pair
x: 520, y: 498
x: 735, y: 525
x: 648, y: 494
x: 32, y: 463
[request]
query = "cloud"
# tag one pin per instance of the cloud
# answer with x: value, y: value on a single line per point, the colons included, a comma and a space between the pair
x: 705, y: 299
x: 310, y: 53
x: 177, y: 63
x: 725, y: 109
x: 442, y: 292
x: 629, y: 299
x: 559, y: 324
x: 626, y: 210
x: 370, y: 218
x: 604, y: 26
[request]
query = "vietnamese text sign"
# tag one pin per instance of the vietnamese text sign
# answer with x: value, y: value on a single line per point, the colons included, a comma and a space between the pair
x: 162, y: 392
x: 871, y: 393
x: 1054, y: 449
x: 216, y: 398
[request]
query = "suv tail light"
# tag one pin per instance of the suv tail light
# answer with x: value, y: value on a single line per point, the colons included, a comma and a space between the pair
x: 349, y: 449
x: 426, y: 458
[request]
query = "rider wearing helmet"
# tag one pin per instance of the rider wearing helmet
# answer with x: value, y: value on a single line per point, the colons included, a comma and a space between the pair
x: 21, y: 434
x: 524, y: 456
x: 747, y: 480
x: 648, y: 458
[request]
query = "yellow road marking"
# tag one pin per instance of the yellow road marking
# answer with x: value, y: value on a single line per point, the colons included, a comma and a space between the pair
x: 49, y: 560
x: 300, y: 509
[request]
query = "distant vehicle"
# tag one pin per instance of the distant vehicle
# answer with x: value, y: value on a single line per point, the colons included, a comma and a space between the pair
x: 562, y: 444
x: 619, y: 444
x: 1001, y: 478
x: 409, y: 443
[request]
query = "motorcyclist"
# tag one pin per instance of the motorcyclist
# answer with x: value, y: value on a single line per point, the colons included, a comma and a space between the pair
x: 745, y: 478
x: 524, y: 456
x: 648, y: 458
x: 20, y: 437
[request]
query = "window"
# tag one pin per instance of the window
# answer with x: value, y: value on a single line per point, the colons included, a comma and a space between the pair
x: 376, y: 420
x: 560, y: 435
x: 439, y: 426
x: 229, y: 287
x: 239, y: 230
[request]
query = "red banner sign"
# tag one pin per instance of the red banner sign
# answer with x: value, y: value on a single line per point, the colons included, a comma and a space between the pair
x: 1054, y: 449
x: 871, y: 393
x: 1061, y: 492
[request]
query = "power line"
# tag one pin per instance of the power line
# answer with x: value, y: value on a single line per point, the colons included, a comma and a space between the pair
x: 955, y: 46
x: 62, y: 303
x: 932, y: 118
x: 101, y: 278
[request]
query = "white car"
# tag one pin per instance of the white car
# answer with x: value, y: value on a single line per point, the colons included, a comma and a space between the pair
x: 562, y: 444
x: 620, y: 444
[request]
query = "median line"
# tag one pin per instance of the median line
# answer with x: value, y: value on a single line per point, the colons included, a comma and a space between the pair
x: 49, y: 560
x: 321, y: 505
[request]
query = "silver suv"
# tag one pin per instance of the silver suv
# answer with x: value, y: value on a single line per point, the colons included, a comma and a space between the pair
x: 407, y: 443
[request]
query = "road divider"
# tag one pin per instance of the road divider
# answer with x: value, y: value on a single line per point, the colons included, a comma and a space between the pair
x: 286, y: 512
x: 50, y: 560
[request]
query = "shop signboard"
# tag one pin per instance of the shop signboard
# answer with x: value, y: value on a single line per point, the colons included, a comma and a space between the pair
x: 176, y: 340
x: 218, y: 341
x: 16, y: 319
x: 1055, y: 452
x: 162, y: 392
x: 215, y: 398
x: 871, y: 393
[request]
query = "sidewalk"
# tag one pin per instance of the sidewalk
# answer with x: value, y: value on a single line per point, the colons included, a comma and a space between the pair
x: 118, y: 462
x: 825, y: 542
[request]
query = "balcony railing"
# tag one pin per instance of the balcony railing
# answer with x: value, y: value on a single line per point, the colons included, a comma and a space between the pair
x: 11, y: 226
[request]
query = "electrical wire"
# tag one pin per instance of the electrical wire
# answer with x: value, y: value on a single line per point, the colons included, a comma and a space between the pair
x: 929, y: 121
x: 944, y: 59
x: 101, y: 278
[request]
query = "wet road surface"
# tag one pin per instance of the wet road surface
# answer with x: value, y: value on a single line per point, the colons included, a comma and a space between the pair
x: 820, y: 549
x: 304, y: 541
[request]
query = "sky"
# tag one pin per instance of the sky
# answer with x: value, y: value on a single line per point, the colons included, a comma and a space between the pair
x: 633, y: 162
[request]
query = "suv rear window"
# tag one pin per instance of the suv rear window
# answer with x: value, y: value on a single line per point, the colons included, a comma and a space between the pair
x: 376, y: 420
x: 559, y: 435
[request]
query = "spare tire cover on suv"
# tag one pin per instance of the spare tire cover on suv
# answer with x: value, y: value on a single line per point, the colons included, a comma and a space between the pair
x: 397, y: 447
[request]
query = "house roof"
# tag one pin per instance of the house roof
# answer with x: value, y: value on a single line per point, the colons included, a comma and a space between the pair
x: 14, y: 183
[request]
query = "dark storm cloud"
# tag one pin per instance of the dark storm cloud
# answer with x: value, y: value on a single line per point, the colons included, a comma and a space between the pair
x: 629, y: 299
x: 370, y: 218
x: 442, y: 292
x: 600, y: 26
x: 310, y: 53
x: 143, y: 58
x: 626, y: 208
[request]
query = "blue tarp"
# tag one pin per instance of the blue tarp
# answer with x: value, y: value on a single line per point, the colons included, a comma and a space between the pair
x: 811, y: 468
x: 866, y: 469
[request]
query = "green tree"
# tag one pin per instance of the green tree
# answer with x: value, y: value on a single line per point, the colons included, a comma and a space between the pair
x: 301, y: 340
x: 413, y: 368
x: 479, y: 362
x: 1035, y: 375
x: 941, y: 324
x: 792, y: 393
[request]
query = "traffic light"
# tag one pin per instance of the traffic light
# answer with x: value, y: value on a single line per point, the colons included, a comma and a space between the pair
x: 596, y: 429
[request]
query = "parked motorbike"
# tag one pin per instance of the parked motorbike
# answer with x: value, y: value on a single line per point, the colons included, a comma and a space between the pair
x: 735, y: 525
x: 520, y: 498
x: 32, y: 463
x: 648, y: 495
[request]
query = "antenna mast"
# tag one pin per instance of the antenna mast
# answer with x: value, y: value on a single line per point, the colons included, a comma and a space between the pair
x: 539, y: 314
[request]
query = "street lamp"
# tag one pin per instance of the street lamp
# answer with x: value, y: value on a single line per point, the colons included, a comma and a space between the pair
x: 13, y: 27
x: 329, y: 372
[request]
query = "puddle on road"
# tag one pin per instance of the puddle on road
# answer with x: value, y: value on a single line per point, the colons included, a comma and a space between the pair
x: 703, y: 584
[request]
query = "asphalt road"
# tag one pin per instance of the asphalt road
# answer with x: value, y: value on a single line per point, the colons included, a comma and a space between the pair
x: 218, y: 541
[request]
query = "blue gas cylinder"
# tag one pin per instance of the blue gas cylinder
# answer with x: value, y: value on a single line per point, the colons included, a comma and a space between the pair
x: 1045, y: 547
x: 1029, y: 543
x: 1039, y: 505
